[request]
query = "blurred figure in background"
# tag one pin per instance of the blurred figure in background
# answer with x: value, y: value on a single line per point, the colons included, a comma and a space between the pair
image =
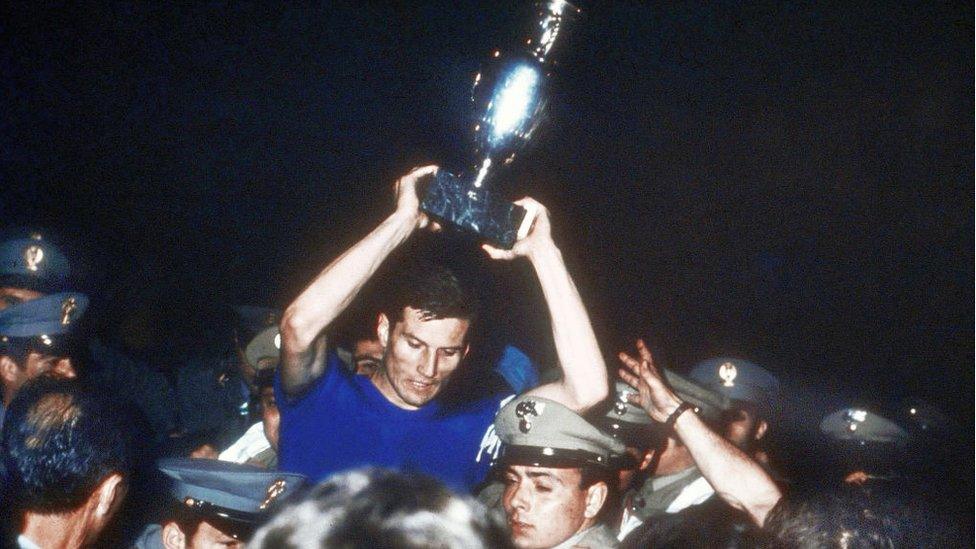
x: 259, y: 445
x: 754, y: 395
x: 31, y: 266
x: 215, y: 391
x: 375, y: 508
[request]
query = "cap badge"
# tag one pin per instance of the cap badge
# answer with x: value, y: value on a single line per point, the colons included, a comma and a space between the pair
x: 275, y: 489
x: 620, y: 406
x: 728, y: 373
x: 68, y: 307
x: 33, y: 255
x: 854, y: 418
x: 524, y: 409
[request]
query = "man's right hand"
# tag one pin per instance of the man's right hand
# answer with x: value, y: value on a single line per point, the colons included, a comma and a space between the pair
x: 407, y: 200
x: 303, y: 347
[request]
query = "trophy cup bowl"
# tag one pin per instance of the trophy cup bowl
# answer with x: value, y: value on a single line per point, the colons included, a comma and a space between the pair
x: 510, y: 99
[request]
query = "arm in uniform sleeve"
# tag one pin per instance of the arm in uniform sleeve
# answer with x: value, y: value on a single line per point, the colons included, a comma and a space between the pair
x: 738, y: 479
x: 584, y: 381
x: 302, y: 345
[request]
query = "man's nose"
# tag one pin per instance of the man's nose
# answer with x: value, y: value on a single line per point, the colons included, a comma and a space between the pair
x: 521, y: 499
x: 428, y: 367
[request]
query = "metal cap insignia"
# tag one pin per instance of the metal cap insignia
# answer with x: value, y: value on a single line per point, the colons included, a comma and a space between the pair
x: 68, y: 307
x: 525, y: 409
x: 854, y: 418
x: 728, y: 373
x: 33, y: 255
x: 275, y: 489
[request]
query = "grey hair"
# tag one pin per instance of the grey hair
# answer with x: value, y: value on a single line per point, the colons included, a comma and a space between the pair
x: 382, y: 509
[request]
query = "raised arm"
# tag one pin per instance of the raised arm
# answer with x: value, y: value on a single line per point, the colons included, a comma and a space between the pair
x: 737, y: 479
x: 584, y: 381
x: 302, y: 346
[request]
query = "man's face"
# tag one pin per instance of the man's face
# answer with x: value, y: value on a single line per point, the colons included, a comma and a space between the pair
x: 209, y: 537
x: 544, y: 506
x: 626, y: 476
x: 36, y: 364
x: 13, y: 296
x: 367, y: 356
x: 206, y: 536
x: 420, y: 355
x: 742, y: 428
x: 270, y: 416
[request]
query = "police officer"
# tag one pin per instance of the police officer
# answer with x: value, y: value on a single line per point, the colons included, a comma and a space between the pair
x: 754, y: 393
x: 866, y: 446
x: 30, y: 267
x: 35, y: 339
x: 215, y: 503
x: 559, y: 481
x: 685, y: 510
x: 676, y: 514
x: 670, y: 480
x: 259, y: 445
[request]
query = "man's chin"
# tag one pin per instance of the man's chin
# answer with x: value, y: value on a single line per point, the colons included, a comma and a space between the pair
x: 417, y: 398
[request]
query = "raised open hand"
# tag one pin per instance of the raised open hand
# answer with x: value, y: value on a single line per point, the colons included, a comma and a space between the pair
x: 653, y: 395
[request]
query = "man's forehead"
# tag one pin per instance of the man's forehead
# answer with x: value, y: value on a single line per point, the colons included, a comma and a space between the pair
x: 212, y: 533
x: 561, y: 473
x: 418, y: 325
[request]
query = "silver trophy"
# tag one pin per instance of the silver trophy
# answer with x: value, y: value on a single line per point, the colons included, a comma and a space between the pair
x: 509, y: 99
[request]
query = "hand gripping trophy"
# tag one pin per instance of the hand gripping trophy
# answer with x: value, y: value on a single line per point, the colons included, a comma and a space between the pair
x: 509, y: 98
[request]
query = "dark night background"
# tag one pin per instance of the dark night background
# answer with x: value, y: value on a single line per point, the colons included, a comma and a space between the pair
x: 790, y: 182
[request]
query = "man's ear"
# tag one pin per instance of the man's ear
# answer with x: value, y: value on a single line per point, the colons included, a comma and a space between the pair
x: 173, y: 537
x: 467, y: 348
x: 9, y: 371
x: 109, y: 495
x: 761, y: 428
x: 646, y: 460
x: 596, y: 495
x: 383, y: 329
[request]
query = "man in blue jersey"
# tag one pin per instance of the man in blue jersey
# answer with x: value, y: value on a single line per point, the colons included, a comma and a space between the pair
x: 332, y: 420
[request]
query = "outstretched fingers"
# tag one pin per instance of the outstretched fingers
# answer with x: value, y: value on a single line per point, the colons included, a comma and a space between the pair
x: 629, y: 378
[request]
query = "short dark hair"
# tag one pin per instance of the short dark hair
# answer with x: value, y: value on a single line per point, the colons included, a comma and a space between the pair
x: 431, y: 288
x: 383, y: 509
x: 60, y: 442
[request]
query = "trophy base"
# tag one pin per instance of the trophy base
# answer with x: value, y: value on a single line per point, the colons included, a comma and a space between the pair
x: 449, y: 199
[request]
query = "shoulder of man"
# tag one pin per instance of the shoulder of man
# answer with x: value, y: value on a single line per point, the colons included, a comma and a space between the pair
x: 598, y: 537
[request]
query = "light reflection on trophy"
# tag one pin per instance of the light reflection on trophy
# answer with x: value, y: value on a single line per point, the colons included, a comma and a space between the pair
x: 509, y: 97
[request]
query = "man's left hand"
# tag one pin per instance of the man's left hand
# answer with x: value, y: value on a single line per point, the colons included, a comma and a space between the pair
x: 538, y: 238
x: 653, y: 395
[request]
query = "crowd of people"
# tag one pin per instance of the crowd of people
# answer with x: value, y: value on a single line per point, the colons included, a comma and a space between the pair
x: 297, y: 437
